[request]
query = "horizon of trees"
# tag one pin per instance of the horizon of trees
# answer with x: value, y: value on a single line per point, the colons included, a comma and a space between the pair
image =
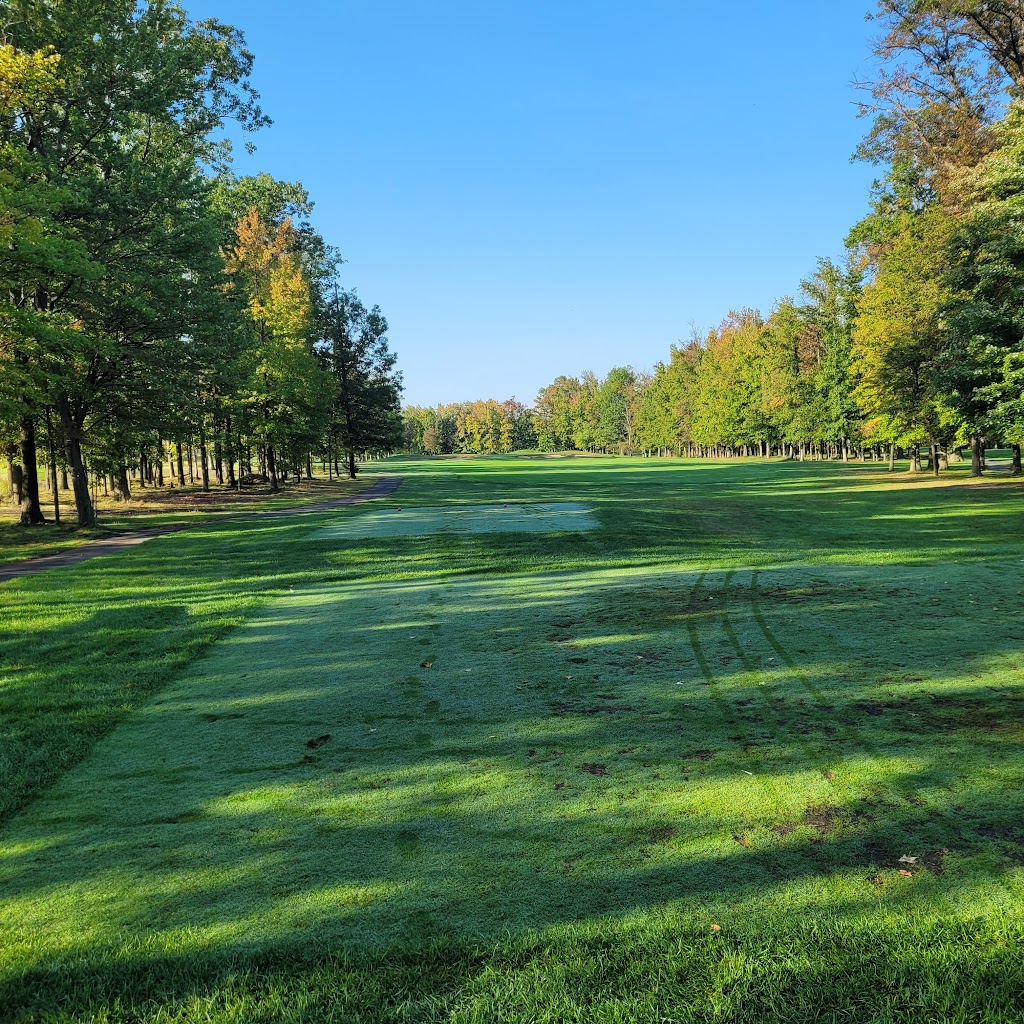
x: 914, y: 340
x: 156, y: 310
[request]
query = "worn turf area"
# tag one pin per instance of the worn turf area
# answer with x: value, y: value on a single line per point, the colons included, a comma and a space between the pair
x: 508, y: 517
x: 751, y: 751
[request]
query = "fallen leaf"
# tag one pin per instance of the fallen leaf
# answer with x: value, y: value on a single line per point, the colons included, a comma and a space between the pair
x: 905, y: 874
x: 907, y: 859
x: 828, y: 775
x: 742, y: 840
x: 716, y: 927
x: 427, y: 664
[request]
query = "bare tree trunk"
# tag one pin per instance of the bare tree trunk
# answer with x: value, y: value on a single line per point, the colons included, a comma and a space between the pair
x: 892, y: 457
x: 181, y: 464
x: 84, y: 507
x: 272, y: 469
x: 52, y: 452
x: 122, y: 488
x: 1015, y: 469
x: 31, y: 510
x: 976, y: 467
x: 204, y: 462
x: 17, y: 483
x: 230, y: 453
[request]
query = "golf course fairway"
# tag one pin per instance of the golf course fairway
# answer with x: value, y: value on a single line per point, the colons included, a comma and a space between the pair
x: 686, y: 741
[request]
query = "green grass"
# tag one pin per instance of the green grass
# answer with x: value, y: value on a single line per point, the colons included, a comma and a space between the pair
x: 265, y: 772
x: 152, y: 508
x: 507, y: 517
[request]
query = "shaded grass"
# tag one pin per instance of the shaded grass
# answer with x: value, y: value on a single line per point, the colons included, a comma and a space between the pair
x: 156, y: 507
x: 700, y: 714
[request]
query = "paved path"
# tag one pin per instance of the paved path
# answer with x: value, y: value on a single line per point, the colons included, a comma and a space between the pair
x: 111, y: 545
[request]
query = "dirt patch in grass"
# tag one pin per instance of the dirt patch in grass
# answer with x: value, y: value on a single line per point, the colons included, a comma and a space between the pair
x: 825, y: 819
x: 661, y: 834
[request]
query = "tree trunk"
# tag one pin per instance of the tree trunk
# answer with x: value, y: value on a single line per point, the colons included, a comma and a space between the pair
x: 31, y: 510
x: 975, y: 455
x: 17, y: 483
x: 351, y: 463
x: 204, y: 462
x: 52, y: 452
x: 229, y: 453
x: 935, y: 459
x: 1015, y: 469
x: 122, y: 488
x: 892, y: 458
x: 84, y: 507
x: 272, y: 469
x: 181, y: 464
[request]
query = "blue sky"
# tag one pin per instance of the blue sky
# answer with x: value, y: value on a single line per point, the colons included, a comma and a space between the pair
x: 536, y: 187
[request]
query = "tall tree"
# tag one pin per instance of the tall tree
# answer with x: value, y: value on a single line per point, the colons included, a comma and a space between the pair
x: 123, y: 136
x: 898, y: 338
x: 945, y: 70
x: 984, y: 353
x: 367, y: 386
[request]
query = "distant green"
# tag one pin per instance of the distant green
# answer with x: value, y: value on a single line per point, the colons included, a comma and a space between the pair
x: 523, y: 776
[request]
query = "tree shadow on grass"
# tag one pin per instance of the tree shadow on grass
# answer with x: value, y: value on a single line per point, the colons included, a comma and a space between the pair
x: 327, y: 773
x: 551, y: 751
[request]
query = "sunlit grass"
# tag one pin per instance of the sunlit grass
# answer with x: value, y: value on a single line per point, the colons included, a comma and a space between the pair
x: 736, y: 755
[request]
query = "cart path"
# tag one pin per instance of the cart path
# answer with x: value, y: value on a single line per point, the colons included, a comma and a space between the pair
x: 111, y: 545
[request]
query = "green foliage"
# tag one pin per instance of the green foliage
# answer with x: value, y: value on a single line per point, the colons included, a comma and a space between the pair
x: 366, y: 387
x: 148, y: 293
x: 898, y: 333
x: 984, y: 354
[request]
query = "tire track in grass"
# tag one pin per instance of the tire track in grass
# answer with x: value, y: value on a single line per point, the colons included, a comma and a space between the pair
x: 850, y: 734
x: 773, y: 791
x: 722, y: 703
x: 767, y: 691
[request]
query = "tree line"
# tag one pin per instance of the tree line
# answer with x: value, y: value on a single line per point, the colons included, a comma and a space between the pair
x: 158, y: 311
x: 914, y: 340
